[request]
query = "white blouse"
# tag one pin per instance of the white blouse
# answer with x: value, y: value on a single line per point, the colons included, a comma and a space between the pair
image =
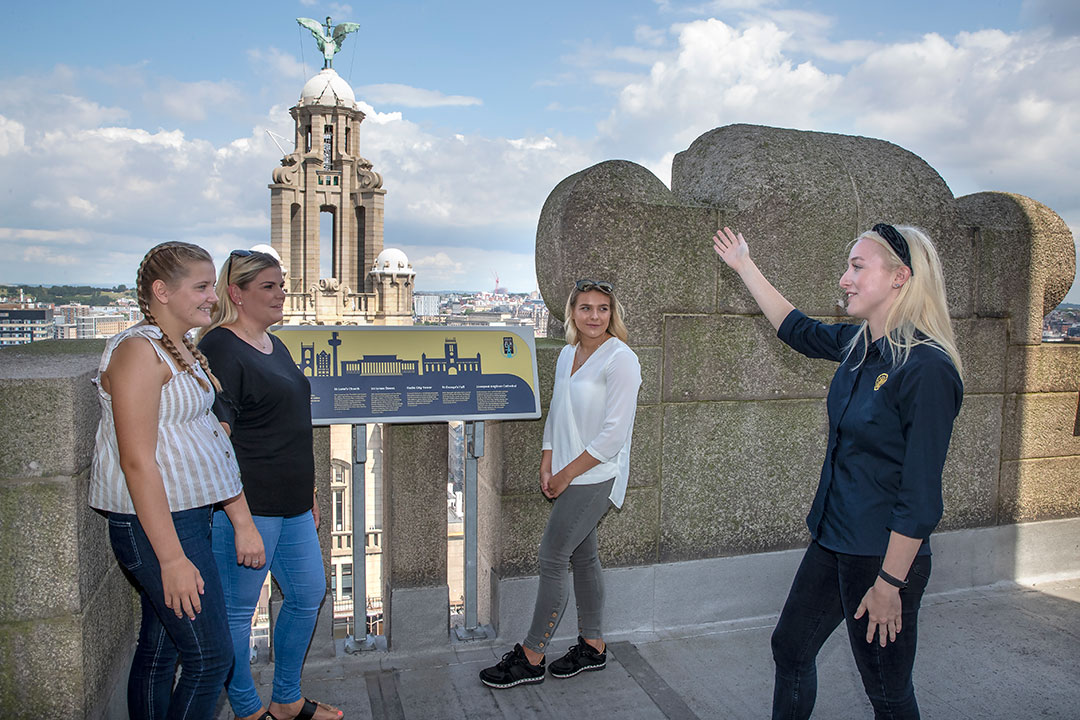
x: 193, y: 453
x: 593, y: 411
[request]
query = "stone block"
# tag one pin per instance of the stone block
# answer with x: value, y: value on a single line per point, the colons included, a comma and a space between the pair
x: 48, y: 407
x: 981, y: 342
x: 808, y: 195
x: 596, y: 219
x: 1044, y: 368
x: 39, y: 549
x: 1039, y: 425
x: 738, y: 477
x: 419, y: 618
x: 110, y: 625
x: 96, y: 557
x: 42, y: 667
x: 547, y: 354
x: 736, y: 357
x: 1024, y: 256
x: 518, y: 525
x: 970, y: 477
x: 645, y: 449
x: 628, y: 536
x: 414, y: 505
x: 519, y: 471
x: 652, y: 368
x: 1039, y: 489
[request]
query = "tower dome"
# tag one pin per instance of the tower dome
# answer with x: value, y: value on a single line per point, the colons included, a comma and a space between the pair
x: 327, y: 88
x: 392, y: 261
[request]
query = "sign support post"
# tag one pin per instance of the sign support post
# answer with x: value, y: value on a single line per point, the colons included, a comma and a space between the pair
x: 359, y: 545
x: 474, y: 449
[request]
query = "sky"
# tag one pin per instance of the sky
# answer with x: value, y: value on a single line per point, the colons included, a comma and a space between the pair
x: 127, y: 124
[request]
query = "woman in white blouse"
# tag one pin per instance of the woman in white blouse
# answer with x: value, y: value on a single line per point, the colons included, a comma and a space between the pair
x: 584, y: 469
x: 161, y: 462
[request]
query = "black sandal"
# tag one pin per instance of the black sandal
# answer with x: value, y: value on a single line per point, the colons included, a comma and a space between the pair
x: 310, y: 708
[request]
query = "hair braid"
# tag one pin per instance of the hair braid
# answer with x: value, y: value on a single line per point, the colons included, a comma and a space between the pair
x: 201, y: 359
x: 171, y: 267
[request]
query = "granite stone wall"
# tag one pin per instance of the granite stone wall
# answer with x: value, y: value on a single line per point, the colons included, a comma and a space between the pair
x: 731, y: 424
x: 67, y: 614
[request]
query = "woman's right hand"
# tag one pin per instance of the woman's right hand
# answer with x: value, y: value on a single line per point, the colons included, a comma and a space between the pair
x: 183, y: 584
x: 545, y: 482
x: 731, y: 248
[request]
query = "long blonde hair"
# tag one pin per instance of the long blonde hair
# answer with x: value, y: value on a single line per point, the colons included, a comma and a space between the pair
x: 170, y: 262
x: 616, y: 325
x: 238, y: 270
x: 920, y: 313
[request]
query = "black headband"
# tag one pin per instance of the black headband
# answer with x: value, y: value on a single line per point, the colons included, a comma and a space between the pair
x: 896, y: 241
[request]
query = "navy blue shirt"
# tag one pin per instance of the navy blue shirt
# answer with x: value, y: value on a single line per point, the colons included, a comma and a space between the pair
x: 889, y: 430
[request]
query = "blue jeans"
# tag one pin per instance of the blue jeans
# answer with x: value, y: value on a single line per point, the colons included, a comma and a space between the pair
x: 827, y: 591
x: 570, y: 537
x: 201, y: 645
x: 294, y: 558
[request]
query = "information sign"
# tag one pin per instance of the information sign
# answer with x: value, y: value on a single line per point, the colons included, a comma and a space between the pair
x: 364, y: 374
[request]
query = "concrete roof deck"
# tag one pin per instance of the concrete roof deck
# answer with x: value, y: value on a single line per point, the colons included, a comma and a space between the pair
x: 1002, y: 651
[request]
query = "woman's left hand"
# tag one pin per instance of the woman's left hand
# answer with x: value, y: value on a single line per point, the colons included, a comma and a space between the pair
x: 882, y: 603
x: 315, y: 514
x: 249, y: 547
x: 558, y: 482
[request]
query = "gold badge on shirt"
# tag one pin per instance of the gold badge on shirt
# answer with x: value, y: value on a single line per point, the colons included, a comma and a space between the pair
x: 880, y: 381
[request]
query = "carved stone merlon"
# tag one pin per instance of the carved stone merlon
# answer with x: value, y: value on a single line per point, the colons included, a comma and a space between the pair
x: 367, y: 178
x: 286, y: 174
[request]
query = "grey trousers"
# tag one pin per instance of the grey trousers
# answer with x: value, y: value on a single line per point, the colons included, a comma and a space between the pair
x: 570, y: 537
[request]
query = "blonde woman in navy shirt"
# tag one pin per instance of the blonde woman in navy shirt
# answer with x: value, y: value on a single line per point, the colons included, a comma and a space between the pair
x: 891, y: 408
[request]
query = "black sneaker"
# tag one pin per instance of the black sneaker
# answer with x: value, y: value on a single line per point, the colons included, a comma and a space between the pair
x: 581, y: 657
x: 513, y: 669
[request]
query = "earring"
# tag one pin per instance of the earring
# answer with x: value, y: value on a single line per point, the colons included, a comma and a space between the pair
x: 896, y: 285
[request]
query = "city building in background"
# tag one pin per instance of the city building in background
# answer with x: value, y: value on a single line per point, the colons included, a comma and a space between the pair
x: 20, y: 325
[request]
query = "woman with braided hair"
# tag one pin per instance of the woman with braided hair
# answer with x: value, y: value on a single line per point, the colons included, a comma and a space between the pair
x: 160, y: 465
x: 265, y: 407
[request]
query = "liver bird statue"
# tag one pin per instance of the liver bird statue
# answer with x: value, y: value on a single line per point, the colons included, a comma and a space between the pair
x: 329, y: 41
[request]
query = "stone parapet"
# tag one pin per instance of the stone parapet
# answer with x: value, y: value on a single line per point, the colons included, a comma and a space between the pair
x: 731, y: 424
x: 67, y: 614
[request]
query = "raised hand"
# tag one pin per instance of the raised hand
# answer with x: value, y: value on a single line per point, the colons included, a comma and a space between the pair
x: 731, y: 248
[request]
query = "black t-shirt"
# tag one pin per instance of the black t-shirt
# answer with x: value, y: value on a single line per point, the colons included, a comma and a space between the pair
x: 266, y: 401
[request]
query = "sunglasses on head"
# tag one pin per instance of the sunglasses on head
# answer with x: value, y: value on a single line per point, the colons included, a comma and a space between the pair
x: 601, y: 285
x: 236, y: 253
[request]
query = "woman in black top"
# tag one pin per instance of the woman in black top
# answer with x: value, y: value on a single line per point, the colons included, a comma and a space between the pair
x: 265, y: 405
x: 891, y: 408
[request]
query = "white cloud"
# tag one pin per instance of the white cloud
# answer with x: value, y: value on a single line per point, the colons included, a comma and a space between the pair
x: 717, y: 75
x: 406, y: 96
x: 12, y: 136
x: 439, y: 262
x: 278, y: 64
x: 193, y: 101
